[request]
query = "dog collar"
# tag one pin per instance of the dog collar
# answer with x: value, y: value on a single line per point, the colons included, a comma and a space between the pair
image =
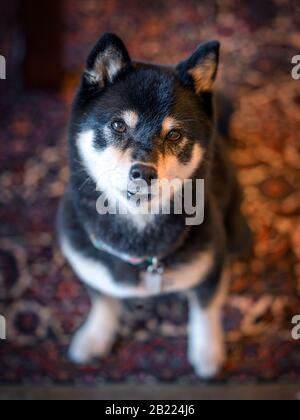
x: 101, y: 246
x: 154, y: 274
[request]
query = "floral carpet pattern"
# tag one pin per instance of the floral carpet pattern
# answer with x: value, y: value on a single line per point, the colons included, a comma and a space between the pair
x: 41, y: 297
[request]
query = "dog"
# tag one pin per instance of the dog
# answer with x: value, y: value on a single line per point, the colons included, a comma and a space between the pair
x: 137, y: 123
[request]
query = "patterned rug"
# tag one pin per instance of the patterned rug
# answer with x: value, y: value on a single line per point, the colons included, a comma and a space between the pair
x: 40, y: 296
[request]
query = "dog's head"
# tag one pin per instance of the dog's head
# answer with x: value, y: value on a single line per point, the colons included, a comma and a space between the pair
x: 140, y: 122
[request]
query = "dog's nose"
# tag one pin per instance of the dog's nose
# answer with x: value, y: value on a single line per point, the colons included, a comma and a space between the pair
x: 143, y: 172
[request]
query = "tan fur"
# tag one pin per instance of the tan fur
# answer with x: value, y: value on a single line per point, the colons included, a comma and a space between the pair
x: 131, y: 118
x: 169, y: 166
x: 203, y: 74
x: 168, y: 124
x: 106, y: 66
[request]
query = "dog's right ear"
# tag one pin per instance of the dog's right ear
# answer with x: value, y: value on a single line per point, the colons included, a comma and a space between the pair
x: 106, y: 60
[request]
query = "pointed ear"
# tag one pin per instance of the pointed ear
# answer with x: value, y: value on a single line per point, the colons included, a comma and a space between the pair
x: 106, y: 60
x: 200, y: 70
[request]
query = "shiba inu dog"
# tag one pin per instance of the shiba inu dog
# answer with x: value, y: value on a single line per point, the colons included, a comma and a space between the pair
x: 141, y: 123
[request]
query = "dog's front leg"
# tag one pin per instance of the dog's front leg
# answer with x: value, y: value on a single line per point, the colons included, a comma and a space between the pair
x: 96, y: 337
x: 206, y: 343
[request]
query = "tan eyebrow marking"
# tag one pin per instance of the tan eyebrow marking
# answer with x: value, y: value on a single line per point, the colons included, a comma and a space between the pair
x: 168, y: 124
x: 131, y: 118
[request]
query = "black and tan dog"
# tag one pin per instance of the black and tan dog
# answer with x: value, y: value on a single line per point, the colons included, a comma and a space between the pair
x: 133, y: 121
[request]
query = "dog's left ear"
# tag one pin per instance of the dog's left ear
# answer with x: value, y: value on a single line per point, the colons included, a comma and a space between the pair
x: 200, y: 70
x: 106, y: 60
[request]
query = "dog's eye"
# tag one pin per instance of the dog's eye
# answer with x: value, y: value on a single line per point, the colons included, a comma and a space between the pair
x: 119, y: 126
x: 174, y: 135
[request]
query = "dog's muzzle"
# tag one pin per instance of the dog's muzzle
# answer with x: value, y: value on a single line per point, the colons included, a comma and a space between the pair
x: 140, y: 172
x: 141, y: 181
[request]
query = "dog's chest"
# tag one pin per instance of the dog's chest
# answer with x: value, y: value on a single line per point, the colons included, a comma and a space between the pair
x: 98, y: 276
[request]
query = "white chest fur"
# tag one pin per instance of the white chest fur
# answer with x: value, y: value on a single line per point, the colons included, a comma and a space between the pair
x: 99, y: 277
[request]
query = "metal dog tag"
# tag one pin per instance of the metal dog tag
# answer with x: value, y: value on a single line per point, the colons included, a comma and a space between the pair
x: 154, y: 277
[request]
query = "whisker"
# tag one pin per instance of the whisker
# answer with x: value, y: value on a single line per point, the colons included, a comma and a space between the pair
x: 84, y: 183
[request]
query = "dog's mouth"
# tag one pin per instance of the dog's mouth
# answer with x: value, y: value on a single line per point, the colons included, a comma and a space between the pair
x: 138, y: 192
x: 138, y: 196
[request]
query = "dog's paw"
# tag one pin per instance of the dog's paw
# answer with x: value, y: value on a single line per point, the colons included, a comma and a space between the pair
x: 86, y: 346
x: 207, y: 360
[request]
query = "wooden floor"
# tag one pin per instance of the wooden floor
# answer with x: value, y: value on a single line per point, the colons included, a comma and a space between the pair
x: 160, y: 392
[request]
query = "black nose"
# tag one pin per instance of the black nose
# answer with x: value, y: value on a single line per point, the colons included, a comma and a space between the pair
x: 143, y: 172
